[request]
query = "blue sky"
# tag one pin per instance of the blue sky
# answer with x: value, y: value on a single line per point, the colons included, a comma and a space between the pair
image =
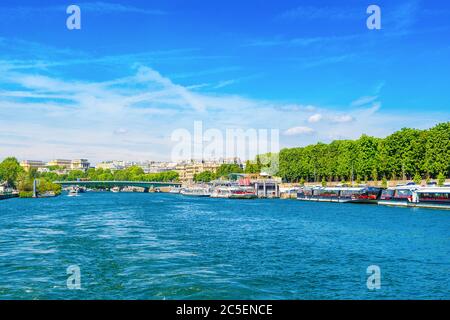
x: 137, y: 70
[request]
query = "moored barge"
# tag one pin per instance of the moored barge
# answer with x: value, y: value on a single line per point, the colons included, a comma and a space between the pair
x: 361, y: 194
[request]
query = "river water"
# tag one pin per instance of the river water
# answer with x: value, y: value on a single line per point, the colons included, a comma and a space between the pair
x: 165, y: 246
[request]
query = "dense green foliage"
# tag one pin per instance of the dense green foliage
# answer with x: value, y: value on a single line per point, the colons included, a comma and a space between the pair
x: 251, y: 167
x: 226, y: 169
x: 406, y: 154
x: 205, y: 176
x: 25, y: 184
x: 133, y: 173
x: 10, y: 169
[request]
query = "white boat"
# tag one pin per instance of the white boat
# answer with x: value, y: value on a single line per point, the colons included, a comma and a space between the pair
x: 435, y: 197
x: 234, y: 192
x: 221, y: 192
x: 416, y: 196
x: 399, y: 196
x: 361, y: 194
x: 73, y: 193
x: 115, y: 189
x: 175, y: 190
x: 196, y: 191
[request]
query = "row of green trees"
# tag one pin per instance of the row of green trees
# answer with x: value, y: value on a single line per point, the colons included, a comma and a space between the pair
x: 223, y: 171
x: 408, y: 153
x: 133, y: 173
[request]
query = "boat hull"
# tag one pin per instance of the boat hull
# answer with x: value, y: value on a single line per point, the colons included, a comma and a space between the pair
x: 8, y: 196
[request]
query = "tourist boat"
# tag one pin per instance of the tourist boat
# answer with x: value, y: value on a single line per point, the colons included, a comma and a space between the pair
x: 366, y: 195
x: 435, y: 197
x: 6, y: 192
x: 8, y: 195
x: 115, y: 189
x: 196, y: 191
x: 175, y: 190
x: 73, y: 193
x: 234, y: 192
x: 221, y: 192
x: 242, y: 192
x: 399, y: 196
x: 362, y: 194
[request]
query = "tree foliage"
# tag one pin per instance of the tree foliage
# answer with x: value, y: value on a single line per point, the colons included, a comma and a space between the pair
x: 403, y: 154
x: 226, y: 169
x: 10, y: 170
x: 205, y: 176
x: 133, y: 173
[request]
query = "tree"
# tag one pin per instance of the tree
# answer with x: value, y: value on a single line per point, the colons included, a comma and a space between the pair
x: 205, y: 176
x: 251, y: 167
x: 384, y: 183
x: 403, y: 153
x: 75, y: 175
x: 226, y: 169
x: 441, y: 179
x: 374, y: 174
x: 10, y: 170
x: 302, y: 182
x: 324, y: 182
x: 417, y: 178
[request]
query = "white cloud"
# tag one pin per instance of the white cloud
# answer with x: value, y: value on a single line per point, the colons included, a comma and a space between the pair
x: 295, y: 131
x: 315, y: 118
x: 323, y: 12
x: 342, y: 119
x: 363, y: 101
x: 121, y: 131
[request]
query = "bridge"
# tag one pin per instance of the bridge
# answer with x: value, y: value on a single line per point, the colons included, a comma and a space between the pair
x: 110, y: 184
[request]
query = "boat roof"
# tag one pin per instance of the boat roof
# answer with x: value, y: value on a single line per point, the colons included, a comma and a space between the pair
x: 405, y: 187
x: 434, y: 190
x: 342, y: 188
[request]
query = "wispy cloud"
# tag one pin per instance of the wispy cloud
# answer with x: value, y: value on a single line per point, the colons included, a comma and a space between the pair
x: 315, y: 118
x: 98, y: 7
x: 108, y: 7
x: 363, y: 101
x: 301, y: 41
x: 295, y: 131
x: 322, y: 12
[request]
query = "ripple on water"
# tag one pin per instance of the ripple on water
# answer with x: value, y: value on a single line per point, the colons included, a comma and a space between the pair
x: 161, y: 246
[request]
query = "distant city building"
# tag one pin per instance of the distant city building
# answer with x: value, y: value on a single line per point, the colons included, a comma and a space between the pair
x: 234, y: 160
x: 27, y: 165
x: 80, y: 164
x: 62, y: 163
x: 188, y: 170
x: 3, y: 187
x: 158, y: 167
x: 114, y: 165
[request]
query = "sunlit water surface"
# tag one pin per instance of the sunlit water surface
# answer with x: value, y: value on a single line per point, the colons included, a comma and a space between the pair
x: 164, y: 246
